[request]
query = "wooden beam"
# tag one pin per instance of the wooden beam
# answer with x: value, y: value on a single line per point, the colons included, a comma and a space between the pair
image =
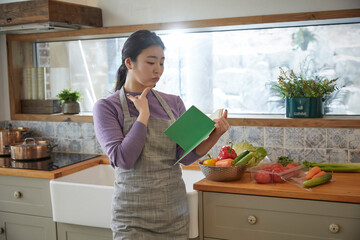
x: 207, y: 23
x: 39, y: 11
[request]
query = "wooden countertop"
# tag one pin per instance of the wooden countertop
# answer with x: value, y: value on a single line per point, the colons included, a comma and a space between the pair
x: 344, y: 188
x: 103, y: 159
x: 55, y: 173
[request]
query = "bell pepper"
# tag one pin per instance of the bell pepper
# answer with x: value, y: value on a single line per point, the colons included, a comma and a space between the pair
x: 227, y: 152
x: 210, y: 162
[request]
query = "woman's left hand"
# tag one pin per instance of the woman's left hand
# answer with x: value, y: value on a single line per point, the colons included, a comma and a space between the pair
x: 221, y: 125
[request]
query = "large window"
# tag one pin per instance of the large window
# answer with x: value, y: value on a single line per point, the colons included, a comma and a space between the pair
x: 233, y: 69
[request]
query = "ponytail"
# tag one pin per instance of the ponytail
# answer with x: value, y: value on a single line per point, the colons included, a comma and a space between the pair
x: 133, y: 46
x: 121, y: 76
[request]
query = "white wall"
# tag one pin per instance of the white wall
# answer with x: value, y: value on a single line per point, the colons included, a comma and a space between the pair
x: 125, y: 12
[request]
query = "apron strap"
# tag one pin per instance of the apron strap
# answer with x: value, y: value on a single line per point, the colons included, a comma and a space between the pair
x: 164, y: 105
x: 124, y: 104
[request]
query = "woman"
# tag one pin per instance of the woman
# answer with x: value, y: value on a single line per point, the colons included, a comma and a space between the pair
x: 149, y: 194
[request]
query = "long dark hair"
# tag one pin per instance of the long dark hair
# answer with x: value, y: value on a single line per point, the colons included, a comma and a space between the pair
x: 133, y: 46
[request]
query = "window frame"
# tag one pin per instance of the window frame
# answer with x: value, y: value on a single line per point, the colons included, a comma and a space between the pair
x: 20, y: 54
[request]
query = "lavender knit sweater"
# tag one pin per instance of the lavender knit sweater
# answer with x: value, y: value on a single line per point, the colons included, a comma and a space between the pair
x: 123, y: 151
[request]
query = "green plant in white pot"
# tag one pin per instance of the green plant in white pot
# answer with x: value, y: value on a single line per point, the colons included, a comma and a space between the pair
x: 69, y: 101
x: 304, y: 96
x: 302, y: 38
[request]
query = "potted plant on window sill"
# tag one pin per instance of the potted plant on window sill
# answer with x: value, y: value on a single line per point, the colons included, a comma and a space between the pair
x: 304, y: 97
x: 69, y: 101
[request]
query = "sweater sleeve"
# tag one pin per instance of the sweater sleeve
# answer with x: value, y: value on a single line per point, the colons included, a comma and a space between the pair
x: 192, y: 156
x: 123, y: 151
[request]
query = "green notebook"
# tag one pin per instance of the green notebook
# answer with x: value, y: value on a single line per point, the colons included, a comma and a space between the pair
x: 190, y: 129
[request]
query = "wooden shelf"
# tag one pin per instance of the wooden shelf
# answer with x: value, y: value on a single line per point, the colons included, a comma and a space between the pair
x: 264, y: 121
x: 82, y: 117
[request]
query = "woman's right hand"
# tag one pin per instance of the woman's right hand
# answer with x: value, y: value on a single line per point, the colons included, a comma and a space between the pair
x: 221, y: 124
x: 142, y: 105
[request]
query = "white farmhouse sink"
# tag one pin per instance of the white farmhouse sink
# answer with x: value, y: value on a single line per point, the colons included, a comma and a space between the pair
x: 84, y: 197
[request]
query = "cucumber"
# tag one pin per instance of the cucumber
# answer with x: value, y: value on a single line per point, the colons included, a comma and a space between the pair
x: 245, y: 159
x: 243, y: 154
x: 317, y: 181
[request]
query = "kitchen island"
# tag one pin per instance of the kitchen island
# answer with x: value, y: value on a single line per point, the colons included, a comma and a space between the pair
x: 243, y: 208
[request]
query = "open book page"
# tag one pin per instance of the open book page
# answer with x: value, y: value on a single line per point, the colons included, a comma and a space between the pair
x: 217, y: 114
x: 191, y: 129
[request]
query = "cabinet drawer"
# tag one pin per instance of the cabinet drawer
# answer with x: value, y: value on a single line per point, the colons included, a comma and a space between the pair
x: 25, y: 195
x: 228, y: 216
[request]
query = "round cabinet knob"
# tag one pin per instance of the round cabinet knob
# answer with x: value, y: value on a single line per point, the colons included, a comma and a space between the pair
x: 17, y: 194
x: 252, y: 219
x: 2, y: 230
x: 334, y: 228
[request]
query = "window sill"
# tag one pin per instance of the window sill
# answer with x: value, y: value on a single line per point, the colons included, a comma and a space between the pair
x: 234, y: 120
x: 282, y: 121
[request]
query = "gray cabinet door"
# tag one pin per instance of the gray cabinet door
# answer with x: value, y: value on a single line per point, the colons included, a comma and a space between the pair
x: 18, y: 227
x: 231, y: 216
x: 77, y: 232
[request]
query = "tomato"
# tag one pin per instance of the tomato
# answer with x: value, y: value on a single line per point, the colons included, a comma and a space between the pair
x: 262, y: 177
x: 276, y: 165
x: 267, y: 169
x: 295, y: 170
x: 277, y: 175
x: 291, y: 165
x: 210, y: 162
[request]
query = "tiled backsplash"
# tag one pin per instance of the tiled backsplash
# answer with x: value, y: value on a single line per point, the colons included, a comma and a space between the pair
x: 311, y: 144
x: 69, y: 136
